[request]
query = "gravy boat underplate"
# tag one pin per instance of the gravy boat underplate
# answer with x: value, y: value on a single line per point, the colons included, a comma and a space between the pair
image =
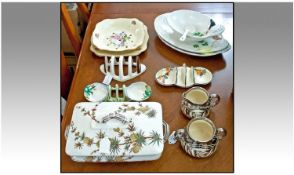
x: 206, y: 47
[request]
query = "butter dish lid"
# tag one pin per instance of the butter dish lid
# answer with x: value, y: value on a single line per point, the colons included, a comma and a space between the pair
x: 115, y: 129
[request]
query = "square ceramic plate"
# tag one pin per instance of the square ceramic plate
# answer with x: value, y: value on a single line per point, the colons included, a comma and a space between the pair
x: 135, y: 52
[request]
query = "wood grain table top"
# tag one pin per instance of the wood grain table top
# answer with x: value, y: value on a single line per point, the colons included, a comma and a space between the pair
x: 157, y: 56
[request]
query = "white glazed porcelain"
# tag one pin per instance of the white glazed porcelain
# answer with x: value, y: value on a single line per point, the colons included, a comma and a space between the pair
x: 193, y: 24
x: 183, y: 76
x: 134, y: 52
x: 96, y: 92
x: 138, y: 91
x: 111, y: 62
x: 116, y: 132
x: 193, y: 53
x: 120, y: 34
x: 207, y: 47
x: 180, y: 20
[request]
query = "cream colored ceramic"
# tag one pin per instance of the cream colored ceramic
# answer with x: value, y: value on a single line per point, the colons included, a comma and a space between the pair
x: 138, y: 91
x: 193, y: 53
x: 200, y: 138
x: 183, y: 76
x: 134, y: 52
x: 197, y: 102
x: 120, y: 34
x: 207, y: 47
x: 111, y: 62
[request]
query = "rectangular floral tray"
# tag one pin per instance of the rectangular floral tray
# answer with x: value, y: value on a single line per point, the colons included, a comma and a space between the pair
x: 116, y: 132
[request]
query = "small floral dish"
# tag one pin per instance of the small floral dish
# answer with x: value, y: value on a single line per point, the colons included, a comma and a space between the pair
x: 193, y: 24
x: 135, y: 52
x: 96, y: 92
x: 183, y: 76
x: 138, y: 91
x: 120, y: 34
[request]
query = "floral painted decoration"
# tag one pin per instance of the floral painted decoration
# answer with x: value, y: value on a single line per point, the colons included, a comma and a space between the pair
x: 198, y: 34
x: 164, y: 75
x: 200, y: 44
x: 127, y: 141
x: 147, y: 92
x: 141, y: 110
x: 200, y: 72
x: 119, y: 39
x: 89, y: 89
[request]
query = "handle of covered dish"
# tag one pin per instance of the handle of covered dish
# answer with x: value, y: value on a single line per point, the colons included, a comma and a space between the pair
x: 165, y: 131
x: 66, y: 132
x: 118, y: 117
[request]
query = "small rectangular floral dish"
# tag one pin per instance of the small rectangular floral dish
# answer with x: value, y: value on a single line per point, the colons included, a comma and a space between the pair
x: 116, y: 132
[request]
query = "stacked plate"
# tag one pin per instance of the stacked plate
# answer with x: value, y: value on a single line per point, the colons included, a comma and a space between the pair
x: 119, y: 37
x: 191, y: 33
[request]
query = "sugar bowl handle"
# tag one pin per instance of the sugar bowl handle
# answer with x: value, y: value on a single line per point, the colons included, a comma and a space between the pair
x: 175, y: 136
x: 213, y: 100
x: 166, y: 131
x: 221, y: 133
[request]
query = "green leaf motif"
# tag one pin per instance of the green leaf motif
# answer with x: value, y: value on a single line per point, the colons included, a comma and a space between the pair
x: 89, y: 90
x: 147, y: 92
x: 141, y: 140
x: 205, y: 44
x: 195, y: 45
x: 198, y: 34
x: 155, y: 138
x: 114, y: 145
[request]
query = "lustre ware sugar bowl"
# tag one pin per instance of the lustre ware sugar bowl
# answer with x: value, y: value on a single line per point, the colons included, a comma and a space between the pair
x: 196, y: 102
x: 200, y: 138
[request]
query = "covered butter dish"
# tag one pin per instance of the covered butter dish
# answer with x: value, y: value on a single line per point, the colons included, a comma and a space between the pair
x: 116, y: 132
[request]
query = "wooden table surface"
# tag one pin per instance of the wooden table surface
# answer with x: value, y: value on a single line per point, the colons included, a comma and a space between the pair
x: 157, y: 56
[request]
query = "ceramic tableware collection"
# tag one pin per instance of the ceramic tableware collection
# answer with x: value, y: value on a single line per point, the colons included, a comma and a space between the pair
x: 111, y: 62
x: 200, y: 138
x: 183, y: 76
x: 201, y: 38
x: 119, y: 37
x: 116, y: 132
x: 196, y: 102
x: 98, y: 92
x: 110, y: 128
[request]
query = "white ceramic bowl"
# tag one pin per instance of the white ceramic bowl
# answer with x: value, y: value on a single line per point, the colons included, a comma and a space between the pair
x: 209, y: 47
x: 197, y: 23
x: 120, y: 34
x: 138, y: 91
x: 95, y: 92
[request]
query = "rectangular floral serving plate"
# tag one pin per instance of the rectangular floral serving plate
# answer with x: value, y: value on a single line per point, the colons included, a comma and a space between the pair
x: 116, y: 132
